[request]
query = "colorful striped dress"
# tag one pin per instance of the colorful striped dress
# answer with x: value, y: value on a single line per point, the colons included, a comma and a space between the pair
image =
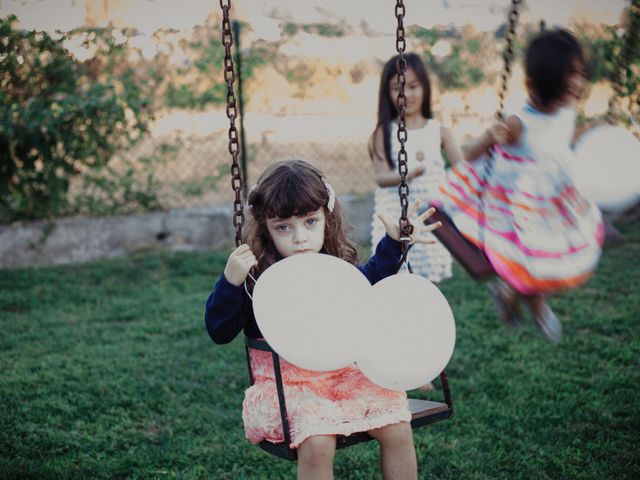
x: 522, y: 209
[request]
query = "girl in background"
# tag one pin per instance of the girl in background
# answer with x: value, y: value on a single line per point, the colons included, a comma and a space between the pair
x: 426, y: 167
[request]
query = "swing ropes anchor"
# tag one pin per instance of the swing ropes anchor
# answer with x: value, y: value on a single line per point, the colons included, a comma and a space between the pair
x: 424, y: 412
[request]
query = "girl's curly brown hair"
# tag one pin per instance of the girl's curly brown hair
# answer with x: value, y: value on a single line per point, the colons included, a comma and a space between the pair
x: 294, y: 188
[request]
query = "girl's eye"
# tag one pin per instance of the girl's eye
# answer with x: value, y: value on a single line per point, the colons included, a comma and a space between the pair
x: 282, y: 228
x: 312, y: 221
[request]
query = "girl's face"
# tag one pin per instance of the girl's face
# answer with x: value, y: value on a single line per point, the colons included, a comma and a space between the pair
x: 298, y: 234
x: 576, y: 83
x: 413, y: 91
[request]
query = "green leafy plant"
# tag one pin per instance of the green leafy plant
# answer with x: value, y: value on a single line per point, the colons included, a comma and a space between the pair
x: 464, y: 66
x: 454, y: 71
x: 290, y: 29
x: 605, y: 51
x: 108, y: 190
x: 206, y: 86
x: 60, y: 116
x: 427, y: 35
x: 325, y: 29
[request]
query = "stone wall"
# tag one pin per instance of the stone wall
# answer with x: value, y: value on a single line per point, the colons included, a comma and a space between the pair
x: 76, y: 240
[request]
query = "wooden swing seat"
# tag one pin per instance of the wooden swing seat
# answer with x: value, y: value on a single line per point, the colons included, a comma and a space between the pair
x: 423, y: 412
x: 469, y: 256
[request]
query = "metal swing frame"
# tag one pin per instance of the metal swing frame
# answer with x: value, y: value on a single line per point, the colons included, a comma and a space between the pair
x: 423, y: 412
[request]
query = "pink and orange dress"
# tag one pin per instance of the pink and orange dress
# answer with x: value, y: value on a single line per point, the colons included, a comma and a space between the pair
x: 336, y: 402
x: 520, y: 206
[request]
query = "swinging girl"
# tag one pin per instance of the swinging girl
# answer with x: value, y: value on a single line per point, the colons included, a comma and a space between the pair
x: 515, y: 198
x: 295, y: 211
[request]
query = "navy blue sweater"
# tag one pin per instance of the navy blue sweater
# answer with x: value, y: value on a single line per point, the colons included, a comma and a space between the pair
x: 229, y: 309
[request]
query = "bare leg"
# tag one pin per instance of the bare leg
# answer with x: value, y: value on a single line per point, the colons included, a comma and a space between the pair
x: 429, y: 387
x: 397, y: 453
x: 544, y: 318
x: 315, y: 458
x: 507, y: 302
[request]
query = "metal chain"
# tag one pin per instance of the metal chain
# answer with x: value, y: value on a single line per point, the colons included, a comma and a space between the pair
x: 234, y: 147
x: 401, y: 102
x: 623, y: 68
x: 508, y: 54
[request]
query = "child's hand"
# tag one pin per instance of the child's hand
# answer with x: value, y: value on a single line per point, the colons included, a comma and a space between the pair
x: 497, y: 133
x: 419, y: 228
x: 415, y: 172
x: 238, y: 265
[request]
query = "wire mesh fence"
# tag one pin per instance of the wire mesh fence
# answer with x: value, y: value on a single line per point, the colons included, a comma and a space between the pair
x: 185, y: 170
x: 193, y: 169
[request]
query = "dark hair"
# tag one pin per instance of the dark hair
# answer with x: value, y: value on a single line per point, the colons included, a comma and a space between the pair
x: 387, y: 109
x: 294, y: 188
x: 550, y: 59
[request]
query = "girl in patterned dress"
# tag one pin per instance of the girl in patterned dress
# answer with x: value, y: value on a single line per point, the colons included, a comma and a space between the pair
x: 516, y: 200
x: 294, y: 210
x: 426, y: 167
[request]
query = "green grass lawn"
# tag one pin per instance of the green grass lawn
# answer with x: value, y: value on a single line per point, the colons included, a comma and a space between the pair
x: 106, y: 371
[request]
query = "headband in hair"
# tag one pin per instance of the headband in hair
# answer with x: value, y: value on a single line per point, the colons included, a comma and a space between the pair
x: 331, y: 203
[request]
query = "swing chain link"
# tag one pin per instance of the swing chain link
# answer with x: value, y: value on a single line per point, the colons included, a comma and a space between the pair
x: 232, y: 114
x: 401, y: 102
x: 508, y: 55
x: 623, y: 68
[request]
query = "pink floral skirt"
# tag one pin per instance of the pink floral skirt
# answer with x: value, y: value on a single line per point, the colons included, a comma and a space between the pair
x: 337, y: 402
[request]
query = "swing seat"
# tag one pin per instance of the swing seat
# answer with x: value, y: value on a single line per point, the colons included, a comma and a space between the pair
x: 472, y: 259
x: 423, y: 412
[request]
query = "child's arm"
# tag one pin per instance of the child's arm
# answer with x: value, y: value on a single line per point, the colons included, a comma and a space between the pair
x: 499, y: 133
x: 388, y: 251
x: 450, y: 146
x: 384, y: 262
x: 384, y: 175
x: 226, y: 310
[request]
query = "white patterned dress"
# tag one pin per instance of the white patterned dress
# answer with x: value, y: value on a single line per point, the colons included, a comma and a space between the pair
x: 423, y: 147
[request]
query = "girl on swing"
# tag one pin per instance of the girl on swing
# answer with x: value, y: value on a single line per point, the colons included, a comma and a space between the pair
x: 515, y: 198
x: 294, y: 210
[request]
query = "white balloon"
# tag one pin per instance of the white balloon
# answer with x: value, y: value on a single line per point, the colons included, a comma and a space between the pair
x: 606, y: 168
x: 411, y: 336
x: 309, y: 307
